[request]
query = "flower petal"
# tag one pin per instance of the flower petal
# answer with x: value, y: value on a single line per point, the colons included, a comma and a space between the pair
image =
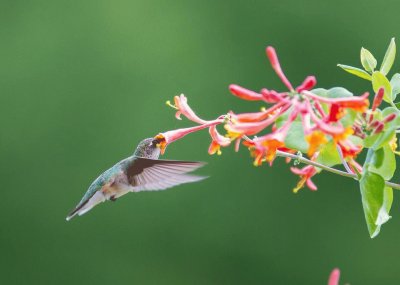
x: 244, y: 93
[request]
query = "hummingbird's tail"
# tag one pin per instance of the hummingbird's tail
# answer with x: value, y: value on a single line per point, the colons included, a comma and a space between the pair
x: 85, y: 206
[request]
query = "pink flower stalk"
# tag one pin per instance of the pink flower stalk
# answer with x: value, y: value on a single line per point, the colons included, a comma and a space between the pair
x: 334, y: 277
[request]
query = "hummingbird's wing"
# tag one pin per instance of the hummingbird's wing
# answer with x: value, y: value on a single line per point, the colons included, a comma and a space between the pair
x: 156, y: 174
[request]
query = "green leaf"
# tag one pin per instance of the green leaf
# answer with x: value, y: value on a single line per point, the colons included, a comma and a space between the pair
x: 295, y: 138
x: 356, y: 71
x: 338, y: 92
x: 334, y: 92
x: 379, y: 80
x: 389, y: 57
x: 349, y: 118
x: 395, y: 83
x: 384, y: 138
x: 368, y: 61
x: 382, y: 161
x: 370, y: 140
x: 328, y: 155
x: 376, y: 200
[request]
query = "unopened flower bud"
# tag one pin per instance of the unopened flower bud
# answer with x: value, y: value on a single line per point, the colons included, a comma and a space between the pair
x: 378, y: 98
x: 389, y: 118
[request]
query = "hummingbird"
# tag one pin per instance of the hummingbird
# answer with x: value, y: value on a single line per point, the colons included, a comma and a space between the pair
x: 142, y: 171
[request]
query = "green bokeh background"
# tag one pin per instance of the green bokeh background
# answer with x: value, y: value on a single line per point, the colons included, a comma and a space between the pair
x: 82, y: 82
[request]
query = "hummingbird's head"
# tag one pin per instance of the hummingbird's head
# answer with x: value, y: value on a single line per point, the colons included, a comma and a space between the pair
x: 148, y: 148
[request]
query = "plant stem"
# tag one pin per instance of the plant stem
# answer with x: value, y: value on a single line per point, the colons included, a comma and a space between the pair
x: 327, y: 168
x: 344, y: 162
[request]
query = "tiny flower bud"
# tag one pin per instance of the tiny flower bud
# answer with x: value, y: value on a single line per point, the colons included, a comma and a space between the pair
x: 374, y: 124
x: 307, y: 84
x: 378, y: 98
x: 379, y: 128
x: 389, y: 118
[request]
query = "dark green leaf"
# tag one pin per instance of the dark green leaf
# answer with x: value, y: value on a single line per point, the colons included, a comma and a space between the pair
x: 376, y: 199
x: 382, y: 161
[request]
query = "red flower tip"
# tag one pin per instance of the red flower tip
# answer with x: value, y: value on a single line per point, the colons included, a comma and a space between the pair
x: 334, y: 277
x: 379, y: 128
x: 389, y: 118
x: 378, y: 98
x: 273, y: 58
x: 307, y: 84
x: 244, y: 93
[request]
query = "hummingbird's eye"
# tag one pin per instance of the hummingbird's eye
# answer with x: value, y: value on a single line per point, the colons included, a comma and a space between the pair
x: 155, y: 142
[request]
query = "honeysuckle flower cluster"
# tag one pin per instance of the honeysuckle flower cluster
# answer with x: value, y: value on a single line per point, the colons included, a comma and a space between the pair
x: 319, y: 127
x: 320, y: 119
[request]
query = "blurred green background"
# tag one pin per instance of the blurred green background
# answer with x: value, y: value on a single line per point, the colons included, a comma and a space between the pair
x: 82, y: 82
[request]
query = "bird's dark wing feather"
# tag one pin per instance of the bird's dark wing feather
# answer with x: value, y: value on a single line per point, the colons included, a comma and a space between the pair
x: 151, y: 174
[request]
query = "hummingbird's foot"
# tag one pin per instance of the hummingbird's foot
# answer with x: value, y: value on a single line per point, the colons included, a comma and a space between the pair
x: 112, y: 198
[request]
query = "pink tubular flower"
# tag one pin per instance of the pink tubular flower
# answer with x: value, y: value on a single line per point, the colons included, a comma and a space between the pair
x: 358, y: 103
x: 171, y: 136
x: 183, y: 108
x: 255, y: 117
x: 305, y: 174
x: 334, y: 277
x: 217, y: 141
x: 253, y: 127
